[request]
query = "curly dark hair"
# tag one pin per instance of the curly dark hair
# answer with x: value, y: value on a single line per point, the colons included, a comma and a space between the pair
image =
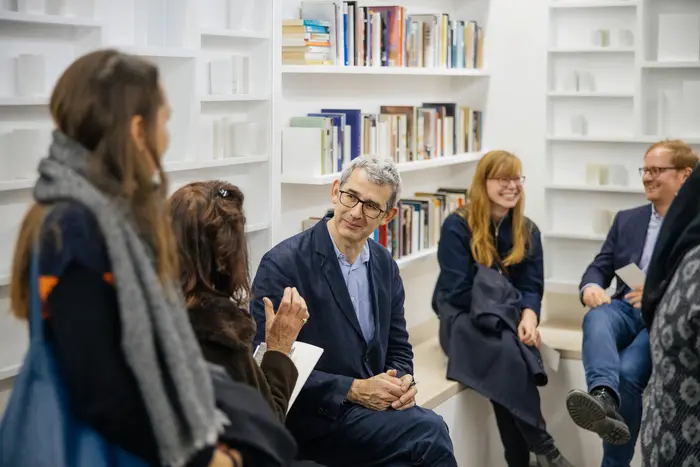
x: 209, y: 226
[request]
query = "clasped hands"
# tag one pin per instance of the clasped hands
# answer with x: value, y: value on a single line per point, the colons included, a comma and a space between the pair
x: 594, y: 296
x: 384, y: 391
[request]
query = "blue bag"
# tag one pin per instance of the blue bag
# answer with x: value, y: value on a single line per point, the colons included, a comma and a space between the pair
x: 38, y: 428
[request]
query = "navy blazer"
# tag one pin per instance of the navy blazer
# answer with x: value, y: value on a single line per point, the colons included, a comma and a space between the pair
x: 623, y: 245
x: 457, y: 265
x: 308, y: 262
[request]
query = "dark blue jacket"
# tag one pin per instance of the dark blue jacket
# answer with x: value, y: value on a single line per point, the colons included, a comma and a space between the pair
x: 623, y: 245
x: 457, y: 265
x: 308, y: 262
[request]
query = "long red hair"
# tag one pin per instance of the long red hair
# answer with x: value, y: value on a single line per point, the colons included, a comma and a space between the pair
x: 477, y: 211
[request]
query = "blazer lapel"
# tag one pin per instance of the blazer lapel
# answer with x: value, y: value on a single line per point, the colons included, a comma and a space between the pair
x: 330, y: 269
x: 375, y: 291
x: 640, y: 235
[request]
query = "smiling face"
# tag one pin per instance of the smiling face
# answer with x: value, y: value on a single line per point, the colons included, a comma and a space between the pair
x: 504, y: 191
x: 661, y: 180
x: 353, y: 219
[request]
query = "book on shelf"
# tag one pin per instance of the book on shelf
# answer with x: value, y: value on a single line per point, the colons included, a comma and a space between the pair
x: 400, y: 133
x: 306, y: 42
x: 389, y: 36
x: 416, y: 227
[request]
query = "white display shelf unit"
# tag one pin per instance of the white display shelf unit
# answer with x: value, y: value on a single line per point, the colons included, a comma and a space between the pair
x: 614, y: 88
x: 181, y: 37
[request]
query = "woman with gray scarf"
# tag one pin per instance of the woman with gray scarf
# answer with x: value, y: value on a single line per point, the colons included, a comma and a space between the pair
x: 108, y: 269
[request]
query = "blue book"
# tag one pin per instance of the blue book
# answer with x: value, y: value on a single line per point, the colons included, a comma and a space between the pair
x: 353, y: 119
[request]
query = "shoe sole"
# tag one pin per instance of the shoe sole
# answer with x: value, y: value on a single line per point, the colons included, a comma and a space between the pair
x: 589, y: 414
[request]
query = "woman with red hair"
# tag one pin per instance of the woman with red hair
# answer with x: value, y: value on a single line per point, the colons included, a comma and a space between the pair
x: 485, y: 244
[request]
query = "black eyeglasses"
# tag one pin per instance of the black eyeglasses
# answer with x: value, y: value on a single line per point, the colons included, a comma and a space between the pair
x: 654, y: 171
x: 369, y: 208
x: 519, y: 181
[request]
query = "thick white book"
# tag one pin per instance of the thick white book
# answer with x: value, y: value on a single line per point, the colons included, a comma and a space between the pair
x: 305, y: 357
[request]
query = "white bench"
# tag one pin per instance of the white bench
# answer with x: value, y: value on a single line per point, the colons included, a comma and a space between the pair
x: 469, y: 415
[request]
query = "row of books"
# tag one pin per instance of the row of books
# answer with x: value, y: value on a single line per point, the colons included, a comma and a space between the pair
x: 331, y: 138
x: 418, y: 222
x: 387, y: 36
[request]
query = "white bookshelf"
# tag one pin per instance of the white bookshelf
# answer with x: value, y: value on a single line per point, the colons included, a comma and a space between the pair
x: 302, y: 89
x: 181, y: 38
x: 619, y: 84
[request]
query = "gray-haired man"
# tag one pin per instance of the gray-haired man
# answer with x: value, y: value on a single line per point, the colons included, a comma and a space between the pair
x: 358, y: 406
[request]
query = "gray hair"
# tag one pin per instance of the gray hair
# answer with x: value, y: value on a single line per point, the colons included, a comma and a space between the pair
x: 382, y: 172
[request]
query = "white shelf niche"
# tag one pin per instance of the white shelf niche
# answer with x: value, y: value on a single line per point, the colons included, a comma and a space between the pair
x: 587, y: 213
x: 603, y: 75
x: 248, y: 69
x: 161, y: 24
x: 403, y: 167
x: 235, y: 18
x: 652, y: 18
x: 33, y: 56
x: 567, y: 257
x: 670, y: 102
x: 569, y: 163
x: 599, y: 117
x: 593, y: 28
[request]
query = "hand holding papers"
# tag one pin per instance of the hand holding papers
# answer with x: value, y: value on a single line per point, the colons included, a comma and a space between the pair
x: 632, y: 276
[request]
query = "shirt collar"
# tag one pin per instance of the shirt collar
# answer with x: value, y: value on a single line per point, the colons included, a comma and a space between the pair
x: 654, y: 214
x: 364, y: 254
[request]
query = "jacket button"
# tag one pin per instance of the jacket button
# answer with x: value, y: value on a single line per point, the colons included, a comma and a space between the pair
x: 366, y: 358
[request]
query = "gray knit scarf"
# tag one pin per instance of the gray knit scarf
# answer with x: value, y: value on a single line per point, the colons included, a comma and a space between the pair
x: 157, y: 340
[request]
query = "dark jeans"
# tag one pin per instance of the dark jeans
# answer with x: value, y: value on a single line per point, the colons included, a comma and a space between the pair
x: 519, y: 438
x: 617, y: 355
x: 364, y: 437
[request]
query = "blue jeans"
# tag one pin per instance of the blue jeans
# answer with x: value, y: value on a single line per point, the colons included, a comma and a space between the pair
x: 617, y: 355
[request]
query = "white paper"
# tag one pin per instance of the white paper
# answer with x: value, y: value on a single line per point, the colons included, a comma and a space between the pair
x: 305, y: 357
x: 550, y: 357
x: 631, y: 275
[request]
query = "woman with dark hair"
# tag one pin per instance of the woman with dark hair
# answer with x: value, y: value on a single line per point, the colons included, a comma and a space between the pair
x: 671, y: 308
x: 209, y: 226
x: 491, y: 270
x: 108, y: 269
